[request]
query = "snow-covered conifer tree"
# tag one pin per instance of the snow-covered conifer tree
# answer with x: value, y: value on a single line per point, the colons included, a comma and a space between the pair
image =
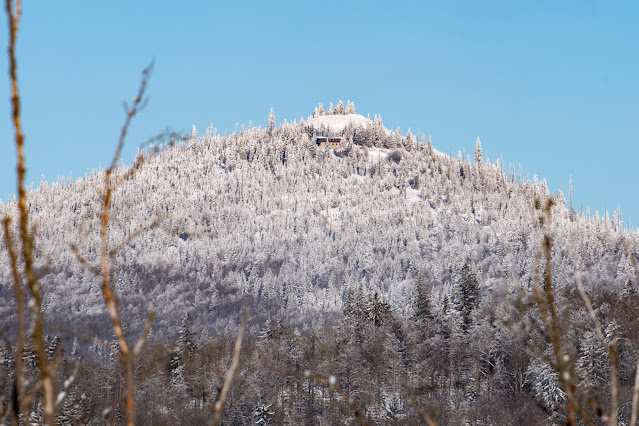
x: 422, y: 309
x: 350, y: 108
x: 193, y: 136
x: 467, y: 294
x: 270, y: 127
x: 478, y: 154
x: 546, y: 387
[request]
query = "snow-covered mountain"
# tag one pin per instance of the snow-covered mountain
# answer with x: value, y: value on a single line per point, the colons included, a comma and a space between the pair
x: 265, y: 219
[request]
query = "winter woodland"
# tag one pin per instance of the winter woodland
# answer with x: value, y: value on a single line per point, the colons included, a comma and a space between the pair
x: 381, y: 278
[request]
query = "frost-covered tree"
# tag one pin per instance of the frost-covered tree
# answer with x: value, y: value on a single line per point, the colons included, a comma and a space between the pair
x: 629, y: 289
x: 263, y: 415
x: 270, y: 126
x: 185, y: 349
x: 467, y: 294
x: 546, y: 387
x: 478, y: 154
x: 422, y: 309
x: 378, y: 311
x: 350, y: 108
x: 593, y: 365
x: 193, y: 135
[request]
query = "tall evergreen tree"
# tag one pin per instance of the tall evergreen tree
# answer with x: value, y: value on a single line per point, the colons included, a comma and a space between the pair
x: 478, y: 154
x: 378, y: 310
x: 350, y: 108
x: 270, y: 127
x: 184, y: 350
x: 422, y: 309
x: 467, y: 294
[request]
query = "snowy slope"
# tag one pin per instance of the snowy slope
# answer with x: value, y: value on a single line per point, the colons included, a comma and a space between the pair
x: 337, y: 123
x: 266, y: 220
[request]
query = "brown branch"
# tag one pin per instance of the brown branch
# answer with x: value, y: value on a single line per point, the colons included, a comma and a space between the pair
x: 26, y: 237
x: 611, y: 348
x: 83, y: 261
x: 426, y: 418
x: 635, y: 398
x: 218, y: 408
x: 138, y: 104
x: 153, y: 225
x: 127, y: 356
x: 17, y: 289
x: 145, y: 332
x: 546, y: 303
x: 635, y: 390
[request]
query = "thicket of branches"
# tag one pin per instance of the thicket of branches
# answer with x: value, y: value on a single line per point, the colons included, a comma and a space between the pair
x: 474, y: 359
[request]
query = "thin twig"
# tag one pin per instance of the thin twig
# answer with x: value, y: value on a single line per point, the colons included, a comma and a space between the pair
x: 426, y: 418
x: 127, y: 356
x: 84, y: 261
x: 145, y: 333
x: 635, y: 390
x: 17, y: 289
x: 546, y: 303
x: 635, y: 398
x: 611, y: 348
x: 218, y: 408
x: 135, y: 234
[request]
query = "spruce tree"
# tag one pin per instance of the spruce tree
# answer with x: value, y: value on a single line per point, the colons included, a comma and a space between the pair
x: 350, y: 108
x: 467, y: 295
x: 478, y: 154
x: 422, y: 310
x: 270, y: 127
x: 184, y: 351
x: 378, y: 310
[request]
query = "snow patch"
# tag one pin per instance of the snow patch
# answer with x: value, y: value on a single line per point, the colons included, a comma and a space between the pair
x: 376, y: 154
x: 337, y: 123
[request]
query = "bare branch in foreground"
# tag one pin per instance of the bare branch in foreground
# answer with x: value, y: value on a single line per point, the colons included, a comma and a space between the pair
x: 546, y: 303
x: 26, y: 235
x: 17, y: 393
x: 611, y: 348
x: 635, y: 390
x: 218, y: 408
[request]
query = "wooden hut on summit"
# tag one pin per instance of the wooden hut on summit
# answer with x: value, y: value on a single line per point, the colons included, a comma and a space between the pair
x: 330, y: 142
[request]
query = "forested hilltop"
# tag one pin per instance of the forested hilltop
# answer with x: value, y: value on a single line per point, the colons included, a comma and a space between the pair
x: 395, y: 268
x: 267, y: 220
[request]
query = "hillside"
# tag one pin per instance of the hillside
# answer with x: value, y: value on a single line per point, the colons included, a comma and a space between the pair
x: 266, y: 220
x: 384, y: 281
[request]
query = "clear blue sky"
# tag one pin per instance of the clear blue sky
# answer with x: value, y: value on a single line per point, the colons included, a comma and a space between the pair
x: 550, y: 85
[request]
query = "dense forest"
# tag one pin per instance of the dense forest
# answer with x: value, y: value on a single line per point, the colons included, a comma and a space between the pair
x: 384, y: 281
